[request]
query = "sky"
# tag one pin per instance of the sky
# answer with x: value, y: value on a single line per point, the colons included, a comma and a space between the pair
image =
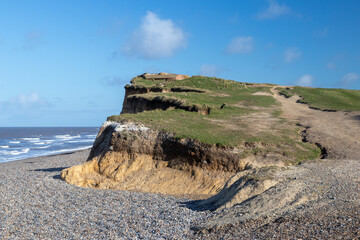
x: 65, y: 63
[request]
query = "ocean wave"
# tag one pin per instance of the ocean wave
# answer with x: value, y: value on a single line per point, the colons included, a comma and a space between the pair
x: 66, y: 137
x: 31, y: 139
x: 4, y: 146
x: 40, y: 143
x: 82, y: 141
x: 69, y: 150
x: 44, y: 147
x: 14, y: 142
x: 25, y: 150
x: 91, y: 135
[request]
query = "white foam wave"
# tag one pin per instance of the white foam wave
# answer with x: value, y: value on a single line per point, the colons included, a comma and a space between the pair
x: 14, y: 142
x: 4, y: 146
x: 31, y: 139
x: 91, y: 136
x: 66, y: 137
x: 40, y: 143
x: 69, y: 150
x: 82, y: 141
x: 25, y: 150
x: 42, y: 147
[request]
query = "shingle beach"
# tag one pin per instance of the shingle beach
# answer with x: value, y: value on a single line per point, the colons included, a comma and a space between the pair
x: 36, y: 204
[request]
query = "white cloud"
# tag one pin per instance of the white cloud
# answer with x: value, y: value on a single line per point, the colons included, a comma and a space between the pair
x: 209, y: 70
x: 23, y: 101
x: 32, y: 40
x: 240, y: 45
x: 112, y: 81
x: 291, y: 54
x: 28, y: 101
x: 321, y: 33
x: 331, y: 66
x: 305, y: 81
x: 155, y: 38
x: 349, y: 78
x: 112, y: 28
x: 274, y: 10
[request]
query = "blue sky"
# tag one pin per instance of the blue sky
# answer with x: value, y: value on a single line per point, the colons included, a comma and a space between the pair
x: 65, y: 63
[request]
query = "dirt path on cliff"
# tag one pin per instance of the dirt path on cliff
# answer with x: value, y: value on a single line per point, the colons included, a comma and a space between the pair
x: 338, y: 132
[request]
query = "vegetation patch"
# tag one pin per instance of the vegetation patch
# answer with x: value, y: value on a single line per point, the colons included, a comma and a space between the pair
x: 326, y: 99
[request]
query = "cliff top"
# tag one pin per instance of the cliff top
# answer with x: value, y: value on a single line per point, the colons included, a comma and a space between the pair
x: 229, y: 113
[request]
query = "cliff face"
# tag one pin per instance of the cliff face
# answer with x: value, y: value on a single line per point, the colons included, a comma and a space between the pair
x: 135, y: 101
x: 130, y: 156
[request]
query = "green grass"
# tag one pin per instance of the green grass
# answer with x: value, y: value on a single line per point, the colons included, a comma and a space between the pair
x: 219, y: 91
x: 329, y: 99
x: 245, y: 118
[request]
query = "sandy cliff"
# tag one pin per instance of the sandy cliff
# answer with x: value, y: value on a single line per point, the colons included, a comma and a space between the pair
x: 130, y: 156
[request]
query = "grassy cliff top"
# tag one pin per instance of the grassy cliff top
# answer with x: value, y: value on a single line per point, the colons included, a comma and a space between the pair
x: 243, y: 115
x: 326, y: 99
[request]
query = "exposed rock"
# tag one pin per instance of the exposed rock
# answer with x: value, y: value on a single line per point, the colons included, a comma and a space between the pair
x: 135, y: 101
x: 131, y: 156
x: 163, y: 76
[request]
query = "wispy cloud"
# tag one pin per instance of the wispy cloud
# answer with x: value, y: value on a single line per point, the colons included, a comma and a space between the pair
x: 274, y: 10
x: 291, y: 54
x: 305, y: 81
x: 112, y: 81
x: 210, y: 70
x: 155, y: 38
x: 29, y: 100
x: 240, y: 45
x: 112, y: 28
x: 33, y: 40
x: 321, y: 33
x: 25, y: 101
x: 331, y: 66
x: 349, y: 79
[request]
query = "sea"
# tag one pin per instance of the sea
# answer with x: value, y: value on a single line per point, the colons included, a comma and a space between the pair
x: 26, y: 142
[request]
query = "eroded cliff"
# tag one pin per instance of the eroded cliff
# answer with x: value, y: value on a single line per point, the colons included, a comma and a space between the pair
x: 130, y: 156
x: 188, y: 137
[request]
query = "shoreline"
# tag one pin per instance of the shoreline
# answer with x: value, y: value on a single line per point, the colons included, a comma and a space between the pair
x: 50, y: 155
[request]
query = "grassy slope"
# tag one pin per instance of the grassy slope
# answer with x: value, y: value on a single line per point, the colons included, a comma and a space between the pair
x: 331, y: 99
x: 245, y: 119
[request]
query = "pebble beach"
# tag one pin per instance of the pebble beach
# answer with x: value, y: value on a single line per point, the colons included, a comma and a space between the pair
x: 36, y: 204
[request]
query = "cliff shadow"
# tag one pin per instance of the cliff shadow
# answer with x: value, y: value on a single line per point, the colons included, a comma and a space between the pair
x: 195, y: 205
x: 51, y: 170
x: 59, y: 169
